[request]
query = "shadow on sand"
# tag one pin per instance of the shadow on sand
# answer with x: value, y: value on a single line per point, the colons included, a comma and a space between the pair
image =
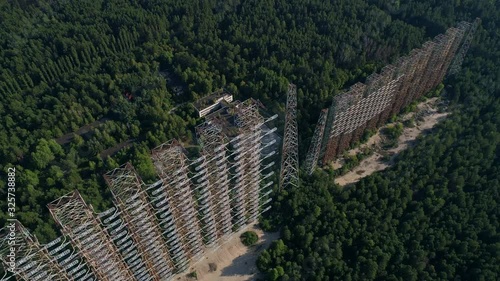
x: 246, y: 263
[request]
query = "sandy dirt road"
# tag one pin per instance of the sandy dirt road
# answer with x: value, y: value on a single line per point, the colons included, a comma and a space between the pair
x: 375, y: 161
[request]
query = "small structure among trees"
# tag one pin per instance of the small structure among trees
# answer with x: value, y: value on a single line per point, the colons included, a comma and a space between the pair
x: 212, y: 102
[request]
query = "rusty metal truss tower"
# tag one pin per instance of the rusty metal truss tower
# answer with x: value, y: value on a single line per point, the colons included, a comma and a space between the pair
x: 247, y: 162
x: 78, y: 221
x: 459, y: 58
x: 32, y: 260
x: 315, y: 147
x: 68, y: 257
x: 366, y: 106
x: 140, y: 219
x: 235, y: 136
x: 156, y: 229
x: 456, y: 36
x: 289, y: 174
x: 57, y: 260
x: 213, y: 182
x: 338, y: 120
x: 171, y: 164
x: 167, y: 222
x: 121, y: 236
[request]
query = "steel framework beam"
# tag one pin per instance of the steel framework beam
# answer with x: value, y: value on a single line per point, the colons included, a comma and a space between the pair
x: 122, y: 238
x: 137, y: 213
x: 366, y: 106
x: 314, y: 149
x: 33, y: 261
x: 80, y: 224
x: 459, y: 58
x: 70, y: 259
x: 289, y: 175
x: 170, y: 163
x: 247, y: 161
x: 214, y: 183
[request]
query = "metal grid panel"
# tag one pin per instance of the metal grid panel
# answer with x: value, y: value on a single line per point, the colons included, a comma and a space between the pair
x: 33, y: 261
x: 78, y: 222
x: 139, y: 216
x: 289, y: 174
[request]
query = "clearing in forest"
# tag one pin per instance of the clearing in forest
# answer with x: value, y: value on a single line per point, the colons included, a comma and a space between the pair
x: 426, y: 117
x: 232, y: 261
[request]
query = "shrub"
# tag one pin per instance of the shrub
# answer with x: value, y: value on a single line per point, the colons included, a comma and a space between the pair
x: 193, y: 275
x: 394, y: 131
x: 249, y: 238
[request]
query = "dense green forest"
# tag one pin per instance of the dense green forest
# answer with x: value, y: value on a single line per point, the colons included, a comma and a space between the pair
x: 99, y: 68
x: 434, y: 215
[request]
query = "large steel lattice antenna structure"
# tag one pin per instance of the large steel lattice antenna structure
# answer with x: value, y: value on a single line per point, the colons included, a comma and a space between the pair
x: 33, y: 260
x: 214, y: 183
x: 315, y: 147
x: 367, y: 106
x: 170, y: 163
x: 78, y: 221
x: 138, y: 214
x: 156, y: 230
x: 248, y: 178
x: 459, y: 58
x: 290, y: 152
x: 159, y: 229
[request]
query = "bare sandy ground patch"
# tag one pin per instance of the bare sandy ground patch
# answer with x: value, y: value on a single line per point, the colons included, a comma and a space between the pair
x: 233, y: 260
x: 428, y: 116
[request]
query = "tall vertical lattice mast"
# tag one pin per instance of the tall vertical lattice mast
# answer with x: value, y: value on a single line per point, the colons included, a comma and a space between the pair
x: 315, y: 147
x: 290, y: 153
x: 33, y: 261
x: 459, y: 58
x: 78, y: 221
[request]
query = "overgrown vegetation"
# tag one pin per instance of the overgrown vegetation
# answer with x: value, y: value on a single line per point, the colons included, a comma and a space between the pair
x: 115, y: 64
x: 351, y: 161
x: 392, y: 132
x: 193, y: 275
x: 434, y: 214
x: 249, y: 238
x: 67, y: 64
